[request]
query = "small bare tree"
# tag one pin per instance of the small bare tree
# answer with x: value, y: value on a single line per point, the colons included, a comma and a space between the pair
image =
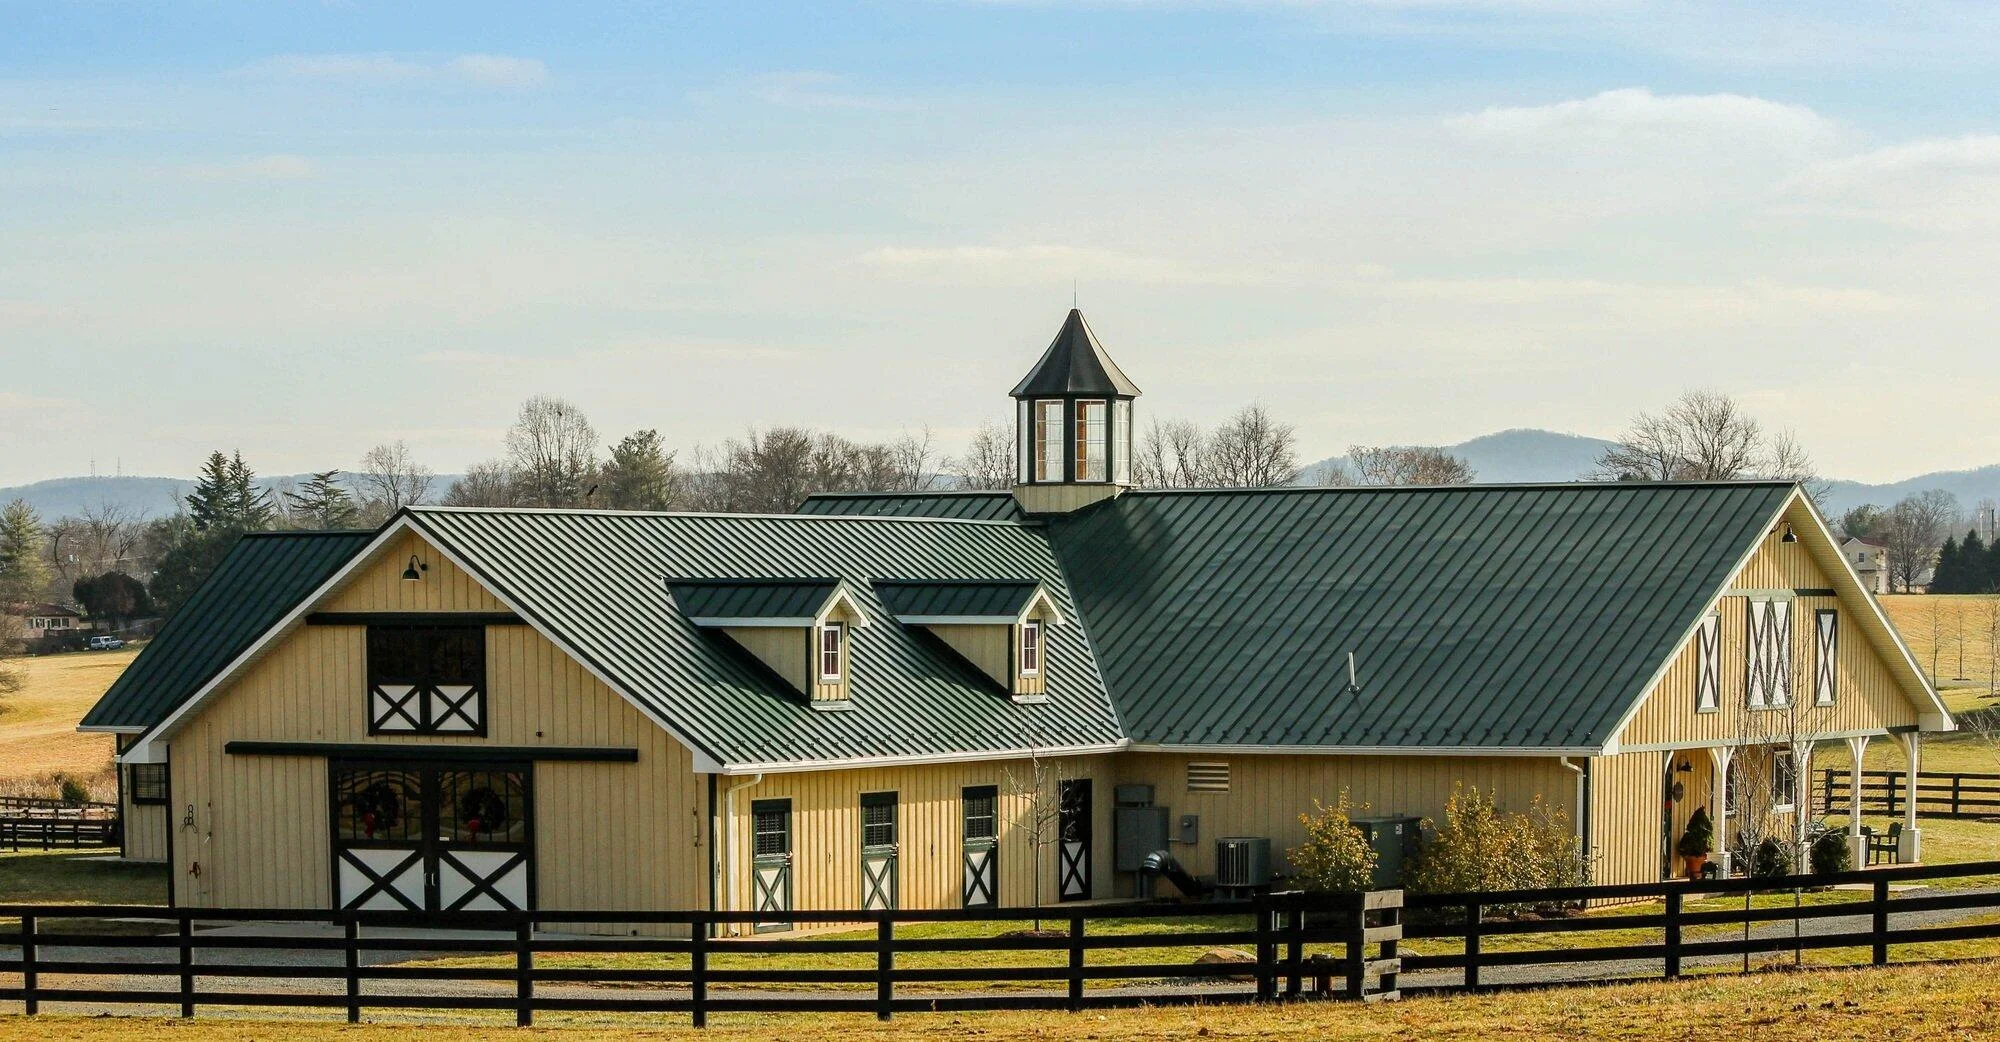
x: 391, y: 479
x: 988, y: 462
x: 915, y: 461
x: 488, y: 484
x: 1915, y: 529
x: 1253, y: 450
x: 1705, y: 436
x: 1405, y: 465
x: 552, y: 450
x: 1172, y: 454
x: 1037, y: 817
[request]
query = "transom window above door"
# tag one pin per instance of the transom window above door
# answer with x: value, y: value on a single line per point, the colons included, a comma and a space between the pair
x: 427, y: 679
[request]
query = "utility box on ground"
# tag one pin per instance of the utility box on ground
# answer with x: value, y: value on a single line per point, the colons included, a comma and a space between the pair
x: 1394, y: 838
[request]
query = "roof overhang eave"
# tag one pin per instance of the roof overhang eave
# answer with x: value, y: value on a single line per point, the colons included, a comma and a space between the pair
x: 1543, y: 751
x: 840, y: 763
x: 112, y: 728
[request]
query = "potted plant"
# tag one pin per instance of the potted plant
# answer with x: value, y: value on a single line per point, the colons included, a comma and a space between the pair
x: 1696, y: 842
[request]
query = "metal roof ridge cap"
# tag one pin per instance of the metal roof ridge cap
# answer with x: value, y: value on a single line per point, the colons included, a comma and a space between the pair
x: 1475, y: 486
x: 600, y: 512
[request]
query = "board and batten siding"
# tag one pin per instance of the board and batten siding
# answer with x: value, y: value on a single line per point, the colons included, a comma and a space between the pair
x: 826, y: 829
x: 1868, y: 697
x: 142, y: 826
x: 1268, y: 792
x: 607, y: 835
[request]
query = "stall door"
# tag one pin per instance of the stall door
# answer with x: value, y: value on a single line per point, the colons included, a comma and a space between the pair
x: 771, y: 860
x: 878, y: 850
x: 981, y: 868
x: 432, y: 838
x: 1073, y: 847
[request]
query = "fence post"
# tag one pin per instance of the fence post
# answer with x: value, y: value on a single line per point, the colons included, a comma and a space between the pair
x: 1954, y: 794
x: 1672, y: 965
x: 1267, y: 950
x: 29, y: 1003
x: 1295, y: 949
x: 524, y: 972
x: 1357, y: 948
x: 187, y: 963
x: 885, y: 965
x: 1076, y: 928
x: 1475, y: 914
x: 698, y: 973
x: 1881, y: 923
x: 351, y: 931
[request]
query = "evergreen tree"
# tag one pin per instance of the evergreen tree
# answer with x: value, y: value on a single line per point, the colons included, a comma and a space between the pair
x: 322, y: 503
x: 112, y: 596
x: 640, y: 474
x: 1975, y: 573
x: 23, y: 574
x: 1989, y: 568
x: 1946, y: 576
x: 208, y: 505
x: 251, y: 507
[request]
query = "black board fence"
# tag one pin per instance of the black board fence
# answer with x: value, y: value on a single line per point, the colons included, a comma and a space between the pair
x: 1298, y: 946
x: 1938, y: 795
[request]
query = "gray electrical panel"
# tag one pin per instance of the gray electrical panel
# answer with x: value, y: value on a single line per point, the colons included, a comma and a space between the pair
x: 1394, y: 838
x: 1137, y: 832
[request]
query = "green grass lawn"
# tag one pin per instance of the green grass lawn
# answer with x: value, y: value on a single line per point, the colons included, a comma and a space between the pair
x: 71, y: 877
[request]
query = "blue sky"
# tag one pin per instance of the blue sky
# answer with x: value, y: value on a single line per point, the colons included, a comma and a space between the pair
x: 300, y: 229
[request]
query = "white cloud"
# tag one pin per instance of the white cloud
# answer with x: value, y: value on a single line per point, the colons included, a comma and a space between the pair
x: 485, y: 70
x: 1617, y: 116
x: 1969, y: 154
x: 808, y: 89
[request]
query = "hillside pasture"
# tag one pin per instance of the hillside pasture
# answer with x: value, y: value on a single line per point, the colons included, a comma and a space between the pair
x: 39, y: 743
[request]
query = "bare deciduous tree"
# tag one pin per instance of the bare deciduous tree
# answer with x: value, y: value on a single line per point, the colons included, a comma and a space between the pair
x: 488, y: 484
x: 1406, y: 465
x: 1915, y: 529
x: 988, y: 462
x: 1172, y: 454
x: 1252, y: 450
x: 1705, y: 436
x: 1037, y: 818
x: 552, y: 450
x: 391, y: 479
x: 916, y: 462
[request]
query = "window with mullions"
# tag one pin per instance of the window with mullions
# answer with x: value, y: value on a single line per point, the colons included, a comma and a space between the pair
x: 427, y: 680
x: 1049, y: 441
x: 982, y: 811
x: 149, y: 782
x: 1090, y: 441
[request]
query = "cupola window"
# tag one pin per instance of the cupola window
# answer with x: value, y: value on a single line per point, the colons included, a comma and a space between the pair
x: 1048, y: 441
x: 1090, y: 441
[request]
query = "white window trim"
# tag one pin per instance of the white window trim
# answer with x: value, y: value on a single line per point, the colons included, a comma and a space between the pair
x: 1708, y: 655
x: 1830, y: 693
x: 1783, y: 802
x: 839, y: 674
x: 1084, y: 457
x: 1033, y: 626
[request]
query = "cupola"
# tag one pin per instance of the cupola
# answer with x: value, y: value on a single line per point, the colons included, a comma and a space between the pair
x: 1073, y: 424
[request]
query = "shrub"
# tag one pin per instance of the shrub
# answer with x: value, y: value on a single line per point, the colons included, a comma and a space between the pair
x: 1335, y: 855
x: 1770, y: 860
x: 1830, y: 854
x: 1480, y: 848
x: 73, y: 791
x: 1699, y: 839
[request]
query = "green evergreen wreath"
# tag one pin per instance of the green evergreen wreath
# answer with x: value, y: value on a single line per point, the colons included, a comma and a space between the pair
x: 378, y: 807
x: 482, y: 810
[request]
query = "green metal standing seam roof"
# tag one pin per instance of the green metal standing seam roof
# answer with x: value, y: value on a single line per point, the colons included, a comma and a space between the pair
x: 933, y: 598
x: 263, y: 576
x: 597, y: 579
x: 752, y: 598
x: 1479, y: 616
x: 966, y: 506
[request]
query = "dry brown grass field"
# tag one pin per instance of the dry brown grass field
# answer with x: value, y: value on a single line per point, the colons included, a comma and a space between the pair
x: 38, y: 737
x: 1950, y: 634
x: 1944, y: 1002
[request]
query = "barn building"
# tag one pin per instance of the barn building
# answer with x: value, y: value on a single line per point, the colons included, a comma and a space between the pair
x: 965, y: 698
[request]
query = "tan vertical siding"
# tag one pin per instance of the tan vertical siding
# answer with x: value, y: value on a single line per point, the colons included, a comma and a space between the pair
x: 608, y: 835
x: 1869, y: 698
x: 788, y: 650
x: 1626, y: 801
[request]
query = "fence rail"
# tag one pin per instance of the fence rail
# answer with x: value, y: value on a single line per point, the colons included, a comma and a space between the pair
x: 1296, y: 946
x: 1938, y: 795
x: 50, y: 834
x: 40, y: 807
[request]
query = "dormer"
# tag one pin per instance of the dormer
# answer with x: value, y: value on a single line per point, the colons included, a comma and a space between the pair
x: 801, y: 628
x: 1073, y: 424
x: 999, y: 626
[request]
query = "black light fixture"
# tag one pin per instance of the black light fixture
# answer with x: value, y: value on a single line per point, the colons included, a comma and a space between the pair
x: 1788, y: 537
x: 415, y: 570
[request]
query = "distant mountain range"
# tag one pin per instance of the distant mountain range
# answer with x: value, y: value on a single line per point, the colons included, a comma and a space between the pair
x: 1508, y: 456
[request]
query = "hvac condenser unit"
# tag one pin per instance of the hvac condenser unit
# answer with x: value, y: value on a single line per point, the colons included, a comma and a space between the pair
x: 1242, y: 864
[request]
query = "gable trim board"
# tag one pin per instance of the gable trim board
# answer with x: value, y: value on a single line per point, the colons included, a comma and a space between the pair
x: 148, y: 748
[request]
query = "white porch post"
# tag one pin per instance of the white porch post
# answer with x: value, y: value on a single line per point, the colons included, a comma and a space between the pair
x: 1719, y: 757
x: 1801, y: 799
x: 1910, y: 848
x: 1857, y: 848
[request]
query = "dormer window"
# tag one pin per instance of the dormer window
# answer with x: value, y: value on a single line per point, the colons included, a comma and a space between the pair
x: 1031, y: 648
x: 832, y: 664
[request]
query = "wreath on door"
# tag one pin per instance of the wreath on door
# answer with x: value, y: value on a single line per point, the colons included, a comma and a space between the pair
x: 482, y: 810
x: 378, y: 807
